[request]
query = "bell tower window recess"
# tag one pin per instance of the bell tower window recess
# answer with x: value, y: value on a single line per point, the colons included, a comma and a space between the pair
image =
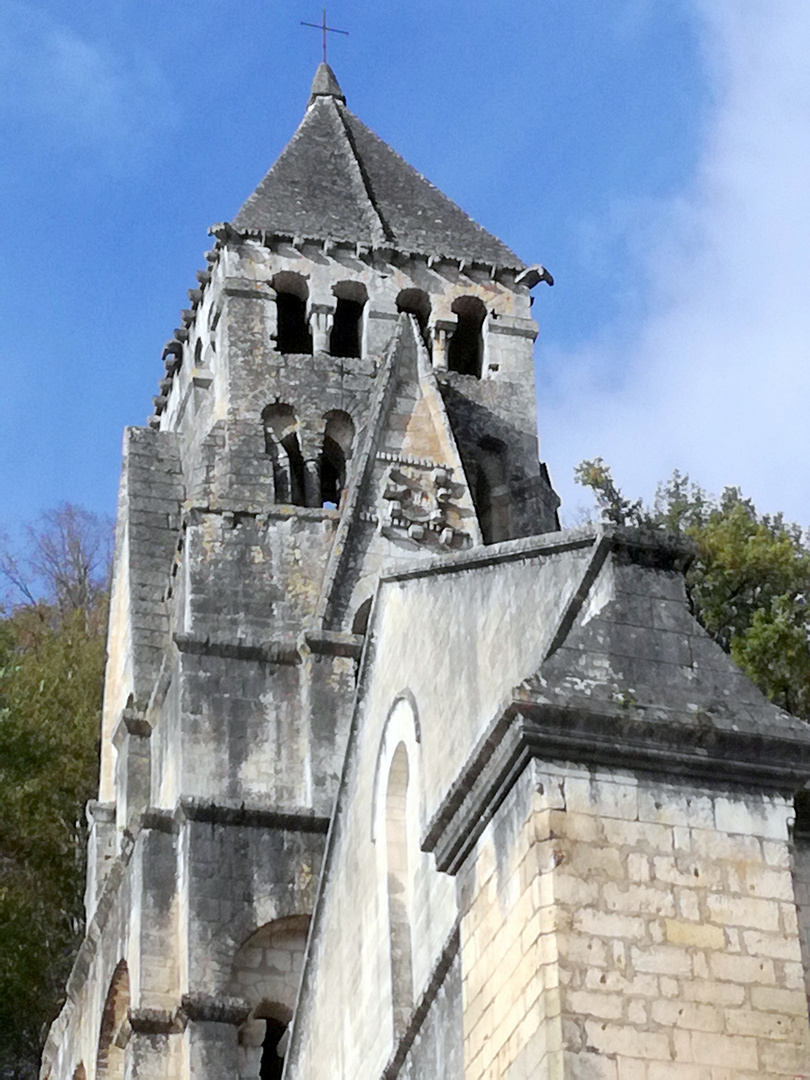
x: 282, y: 445
x: 346, y: 339
x: 416, y: 302
x: 292, y: 333
x: 465, y: 352
x: 491, y: 492
x: 337, y: 450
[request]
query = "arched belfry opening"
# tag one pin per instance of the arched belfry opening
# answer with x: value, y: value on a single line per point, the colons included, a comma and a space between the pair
x: 346, y: 339
x: 337, y: 450
x: 399, y: 889
x: 490, y: 490
x: 465, y: 352
x: 292, y: 333
x: 282, y: 445
x: 112, y: 1036
x: 416, y: 302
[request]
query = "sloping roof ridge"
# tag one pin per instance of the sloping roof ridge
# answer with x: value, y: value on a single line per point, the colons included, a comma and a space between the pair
x: 386, y: 231
x: 483, y: 233
x: 253, y: 198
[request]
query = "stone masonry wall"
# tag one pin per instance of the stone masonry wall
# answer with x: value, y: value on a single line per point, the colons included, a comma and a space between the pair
x: 624, y: 929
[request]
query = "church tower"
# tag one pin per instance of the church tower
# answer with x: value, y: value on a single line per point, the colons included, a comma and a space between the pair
x: 398, y: 780
x: 350, y: 390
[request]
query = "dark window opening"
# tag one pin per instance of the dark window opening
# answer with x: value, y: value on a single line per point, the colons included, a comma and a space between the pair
x: 296, y: 466
x: 465, y: 353
x: 338, y: 441
x: 333, y: 473
x: 272, y: 1064
x: 293, y: 334
x: 490, y: 491
x: 346, y: 334
x: 361, y: 617
x: 416, y: 302
x: 281, y: 444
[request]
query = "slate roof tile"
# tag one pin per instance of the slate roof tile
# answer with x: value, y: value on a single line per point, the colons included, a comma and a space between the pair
x: 337, y: 180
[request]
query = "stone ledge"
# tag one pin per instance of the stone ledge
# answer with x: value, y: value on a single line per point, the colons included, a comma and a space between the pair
x: 156, y: 1021
x: 252, y: 816
x: 282, y: 651
x: 208, y: 1008
x: 660, y: 748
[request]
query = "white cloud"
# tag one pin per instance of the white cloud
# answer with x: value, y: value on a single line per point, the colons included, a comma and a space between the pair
x: 712, y: 370
x: 79, y: 92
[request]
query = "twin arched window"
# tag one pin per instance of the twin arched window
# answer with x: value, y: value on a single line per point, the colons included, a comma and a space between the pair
x: 294, y: 333
x: 281, y: 443
x: 321, y: 481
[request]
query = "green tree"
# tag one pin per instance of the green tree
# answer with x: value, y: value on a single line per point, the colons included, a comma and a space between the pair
x: 748, y: 583
x: 51, y: 670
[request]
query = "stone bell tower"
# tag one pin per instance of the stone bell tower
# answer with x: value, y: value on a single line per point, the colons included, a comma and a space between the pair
x: 350, y: 391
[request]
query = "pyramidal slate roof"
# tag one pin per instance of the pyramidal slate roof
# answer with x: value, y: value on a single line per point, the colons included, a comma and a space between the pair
x: 336, y: 180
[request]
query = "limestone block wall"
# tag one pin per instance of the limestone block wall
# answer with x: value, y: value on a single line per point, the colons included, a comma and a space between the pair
x: 622, y: 928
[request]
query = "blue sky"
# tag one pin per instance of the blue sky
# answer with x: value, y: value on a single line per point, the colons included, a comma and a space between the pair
x: 654, y: 155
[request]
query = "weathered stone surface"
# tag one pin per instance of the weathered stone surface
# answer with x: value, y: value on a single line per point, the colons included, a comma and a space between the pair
x: 384, y: 754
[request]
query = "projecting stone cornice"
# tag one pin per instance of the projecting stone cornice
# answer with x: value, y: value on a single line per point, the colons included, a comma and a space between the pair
x: 669, y: 750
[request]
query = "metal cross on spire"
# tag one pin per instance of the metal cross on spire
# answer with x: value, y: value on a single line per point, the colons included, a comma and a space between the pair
x: 324, y: 30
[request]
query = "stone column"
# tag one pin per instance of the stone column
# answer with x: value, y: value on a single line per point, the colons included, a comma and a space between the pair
x: 132, y: 767
x: 321, y: 317
x: 102, y: 847
x: 441, y: 330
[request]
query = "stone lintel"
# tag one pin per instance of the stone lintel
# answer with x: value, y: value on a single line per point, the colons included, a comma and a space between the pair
x: 131, y: 722
x: 332, y: 643
x: 215, y: 1009
x: 252, y: 816
x: 157, y: 1021
x: 248, y: 289
x: 100, y: 812
x: 671, y: 750
x: 282, y: 651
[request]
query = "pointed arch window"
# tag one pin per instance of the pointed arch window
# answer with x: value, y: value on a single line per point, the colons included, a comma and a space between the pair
x: 465, y: 353
x: 346, y: 338
x: 282, y: 445
x: 292, y: 333
x: 399, y: 889
x: 337, y: 450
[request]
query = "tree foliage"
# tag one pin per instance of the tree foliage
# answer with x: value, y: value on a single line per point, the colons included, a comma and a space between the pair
x: 51, y: 669
x: 749, y: 581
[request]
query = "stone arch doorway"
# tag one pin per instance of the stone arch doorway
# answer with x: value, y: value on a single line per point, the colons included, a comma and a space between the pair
x: 266, y: 973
